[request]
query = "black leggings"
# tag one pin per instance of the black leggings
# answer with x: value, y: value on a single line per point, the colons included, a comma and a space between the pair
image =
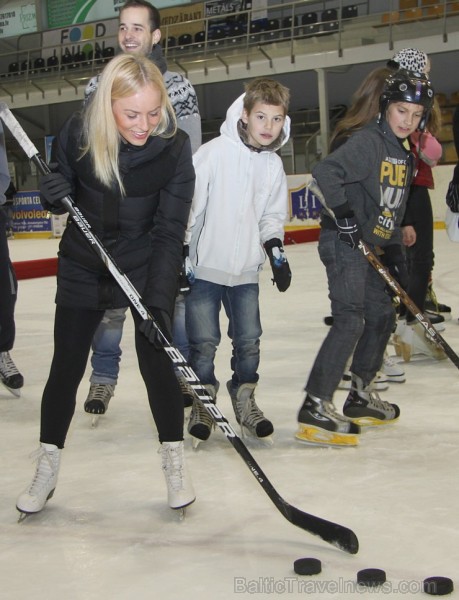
x: 420, y: 256
x: 73, y: 333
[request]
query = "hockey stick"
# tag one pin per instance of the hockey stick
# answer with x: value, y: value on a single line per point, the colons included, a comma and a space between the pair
x: 337, y: 535
x: 397, y: 289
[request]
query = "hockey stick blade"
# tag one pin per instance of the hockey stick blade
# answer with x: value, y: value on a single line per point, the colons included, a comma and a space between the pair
x: 396, y: 288
x: 333, y: 533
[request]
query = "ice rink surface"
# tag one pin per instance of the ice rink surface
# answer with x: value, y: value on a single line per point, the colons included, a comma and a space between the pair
x: 108, y: 534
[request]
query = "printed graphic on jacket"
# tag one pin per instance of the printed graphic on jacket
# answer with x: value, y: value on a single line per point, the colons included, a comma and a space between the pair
x: 393, y: 178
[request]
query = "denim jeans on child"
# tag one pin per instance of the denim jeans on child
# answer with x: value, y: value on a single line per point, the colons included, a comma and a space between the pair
x: 363, y: 318
x: 202, y: 317
x: 106, y: 349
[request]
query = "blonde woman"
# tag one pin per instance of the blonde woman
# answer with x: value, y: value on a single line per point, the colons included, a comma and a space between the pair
x: 130, y: 172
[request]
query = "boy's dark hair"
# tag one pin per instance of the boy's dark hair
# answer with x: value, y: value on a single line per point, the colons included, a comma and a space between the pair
x: 267, y: 91
x: 153, y: 12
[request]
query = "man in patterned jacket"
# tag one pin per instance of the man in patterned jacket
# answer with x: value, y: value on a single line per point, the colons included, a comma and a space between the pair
x: 139, y: 33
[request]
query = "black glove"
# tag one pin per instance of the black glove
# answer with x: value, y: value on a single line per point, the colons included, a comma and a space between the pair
x: 395, y: 261
x: 186, y: 278
x: 349, y: 231
x: 53, y: 187
x: 282, y: 276
x: 452, y: 197
x: 152, y: 334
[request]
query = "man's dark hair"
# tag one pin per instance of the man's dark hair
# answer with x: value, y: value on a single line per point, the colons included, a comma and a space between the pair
x: 153, y: 12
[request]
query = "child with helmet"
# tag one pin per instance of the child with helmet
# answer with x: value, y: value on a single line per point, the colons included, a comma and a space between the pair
x: 363, y: 185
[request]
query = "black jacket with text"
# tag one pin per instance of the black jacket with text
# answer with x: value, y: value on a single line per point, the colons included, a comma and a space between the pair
x: 143, y: 230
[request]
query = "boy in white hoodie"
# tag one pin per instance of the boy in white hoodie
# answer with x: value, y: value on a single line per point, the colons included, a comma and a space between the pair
x: 240, y: 207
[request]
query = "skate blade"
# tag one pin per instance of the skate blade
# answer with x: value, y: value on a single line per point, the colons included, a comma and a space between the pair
x: 15, y: 391
x: 23, y: 516
x: 262, y: 442
x: 95, y: 421
x: 195, y: 442
x: 310, y: 434
x: 372, y: 421
x: 181, y: 510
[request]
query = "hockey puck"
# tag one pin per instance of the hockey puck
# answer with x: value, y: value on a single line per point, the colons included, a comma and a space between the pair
x: 307, y: 566
x: 328, y: 321
x: 371, y: 577
x: 438, y: 586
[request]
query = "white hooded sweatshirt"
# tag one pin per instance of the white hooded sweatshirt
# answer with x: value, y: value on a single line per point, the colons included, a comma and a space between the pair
x: 240, y: 202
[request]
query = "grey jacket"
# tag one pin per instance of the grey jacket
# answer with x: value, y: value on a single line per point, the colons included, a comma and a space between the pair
x: 370, y: 175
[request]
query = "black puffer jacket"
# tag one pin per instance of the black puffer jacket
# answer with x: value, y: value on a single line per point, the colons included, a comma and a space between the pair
x: 143, y: 231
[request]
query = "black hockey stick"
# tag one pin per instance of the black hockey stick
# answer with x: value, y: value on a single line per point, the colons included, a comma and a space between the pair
x: 436, y: 337
x: 397, y: 289
x: 337, y: 535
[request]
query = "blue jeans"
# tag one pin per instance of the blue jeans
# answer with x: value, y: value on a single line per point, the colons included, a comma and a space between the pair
x: 363, y: 318
x: 106, y: 350
x: 202, y: 317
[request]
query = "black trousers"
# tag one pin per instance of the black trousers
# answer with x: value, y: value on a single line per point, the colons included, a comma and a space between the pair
x: 420, y: 256
x: 73, y: 333
x: 8, y: 290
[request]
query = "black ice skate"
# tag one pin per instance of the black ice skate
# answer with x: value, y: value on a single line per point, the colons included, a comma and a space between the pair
x: 201, y: 423
x: 364, y: 406
x: 98, y: 399
x: 9, y: 374
x: 320, y: 424
x: 248, y: 414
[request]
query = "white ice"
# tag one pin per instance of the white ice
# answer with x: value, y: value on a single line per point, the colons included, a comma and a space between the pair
x: 108, y: 534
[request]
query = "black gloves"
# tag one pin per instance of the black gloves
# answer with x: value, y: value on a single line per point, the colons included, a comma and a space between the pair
x: 452, y: 197
x: 54, y: 187
x: 395, y: 261
x: 282, y: 276
x: 349, y: 231
x: 186, y: 279
x: 151, y: 332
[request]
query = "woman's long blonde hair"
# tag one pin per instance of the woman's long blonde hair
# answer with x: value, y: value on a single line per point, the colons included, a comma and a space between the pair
x: 125, y: 75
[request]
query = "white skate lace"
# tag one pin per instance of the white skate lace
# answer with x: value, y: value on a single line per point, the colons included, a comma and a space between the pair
x: 7, y: 366
x: 43, y: 471
x: 173, y: 466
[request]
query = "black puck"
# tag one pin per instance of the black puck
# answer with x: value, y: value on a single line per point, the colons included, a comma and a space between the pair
x: 371, y: 577
x: 307, y: 566
x: 438, y: 586
x: 328, y: 321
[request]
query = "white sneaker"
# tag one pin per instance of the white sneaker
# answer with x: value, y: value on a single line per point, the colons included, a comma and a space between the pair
x: 392, y: 370
x: 379, y: 383
x: 34, y: 498
x: 416, y: 340
x: 180, y: 492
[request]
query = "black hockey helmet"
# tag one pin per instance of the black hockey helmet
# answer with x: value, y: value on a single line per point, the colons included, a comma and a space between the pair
x: 406, y: 86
